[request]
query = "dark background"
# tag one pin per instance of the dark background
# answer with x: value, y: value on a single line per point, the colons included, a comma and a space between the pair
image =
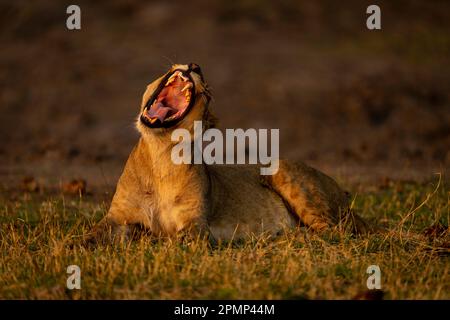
x: 353, y: 102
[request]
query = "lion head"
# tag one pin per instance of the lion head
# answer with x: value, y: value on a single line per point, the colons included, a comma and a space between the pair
x: 175, y: 100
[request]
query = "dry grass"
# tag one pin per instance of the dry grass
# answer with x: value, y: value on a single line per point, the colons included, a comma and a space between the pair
x: 36, y: 228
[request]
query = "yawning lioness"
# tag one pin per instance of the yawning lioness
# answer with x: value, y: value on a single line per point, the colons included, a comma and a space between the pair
x: 223, y: 201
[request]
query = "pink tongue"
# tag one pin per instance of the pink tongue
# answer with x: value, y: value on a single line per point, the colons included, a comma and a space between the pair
x: 160, y: 111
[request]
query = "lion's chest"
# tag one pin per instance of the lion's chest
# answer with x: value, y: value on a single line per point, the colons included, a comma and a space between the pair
x: 171, y: 209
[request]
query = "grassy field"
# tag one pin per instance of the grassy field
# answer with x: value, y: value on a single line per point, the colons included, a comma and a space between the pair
x: 413, y: 254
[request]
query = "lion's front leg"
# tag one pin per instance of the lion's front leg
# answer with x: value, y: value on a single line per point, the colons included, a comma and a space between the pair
x: 184, y: 203
x: 108, y: 231
x: 184, y: 220
x: 197, y: 229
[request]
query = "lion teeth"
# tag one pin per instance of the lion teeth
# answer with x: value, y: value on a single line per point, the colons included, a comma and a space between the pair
x: 172, y: 77
x: 153, y: 120
x: 188, y: 86
x: 184, y: 78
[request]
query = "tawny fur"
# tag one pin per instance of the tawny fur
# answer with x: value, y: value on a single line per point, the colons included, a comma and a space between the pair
x: 224, y: 201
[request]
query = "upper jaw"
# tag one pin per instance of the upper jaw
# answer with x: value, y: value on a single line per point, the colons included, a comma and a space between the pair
x: 171, y: 100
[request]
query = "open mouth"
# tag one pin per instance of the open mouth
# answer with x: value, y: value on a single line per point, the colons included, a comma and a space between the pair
x: 170, y: 102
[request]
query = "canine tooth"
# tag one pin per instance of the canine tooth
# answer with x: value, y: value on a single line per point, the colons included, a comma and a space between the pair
x: 188, y: 86
x: 153, y: 120
x: 184, y: 78
x: 172, y: 77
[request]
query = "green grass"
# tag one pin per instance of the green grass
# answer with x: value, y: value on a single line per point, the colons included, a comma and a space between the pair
x: 36, y: 228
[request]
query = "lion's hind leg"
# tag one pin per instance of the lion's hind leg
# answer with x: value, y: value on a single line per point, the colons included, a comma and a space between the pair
x: 315, y: 198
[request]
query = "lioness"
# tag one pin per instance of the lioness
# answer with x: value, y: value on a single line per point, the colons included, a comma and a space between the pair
x: 224, y: 201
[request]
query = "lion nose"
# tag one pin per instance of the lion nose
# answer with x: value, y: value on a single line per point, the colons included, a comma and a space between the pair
x: 195, y: 68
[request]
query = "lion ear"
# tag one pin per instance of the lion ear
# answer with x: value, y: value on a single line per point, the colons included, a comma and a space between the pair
x: 210, y: 120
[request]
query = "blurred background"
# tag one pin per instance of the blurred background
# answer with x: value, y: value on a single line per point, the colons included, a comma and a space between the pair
x: 353, y: 102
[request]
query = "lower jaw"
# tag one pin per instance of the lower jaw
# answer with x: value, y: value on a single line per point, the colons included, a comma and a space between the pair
x: 166, y: 123
x: 158, y: 124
